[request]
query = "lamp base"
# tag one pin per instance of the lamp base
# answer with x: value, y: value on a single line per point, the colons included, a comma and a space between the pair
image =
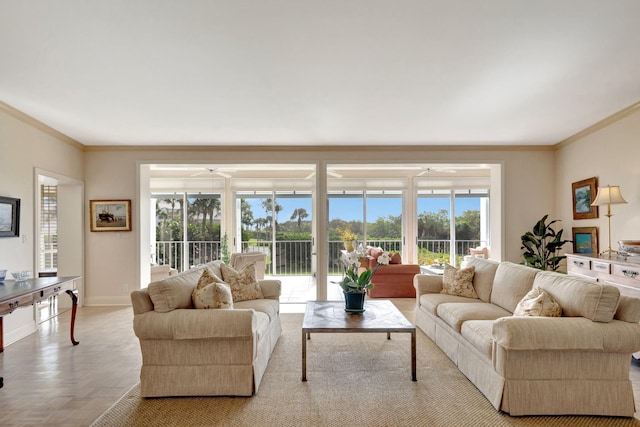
x: 609, y: 252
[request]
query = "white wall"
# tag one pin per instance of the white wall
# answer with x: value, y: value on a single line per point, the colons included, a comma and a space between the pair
x: 112, y: 258
x: 611, y: 154
x: 24, y: 148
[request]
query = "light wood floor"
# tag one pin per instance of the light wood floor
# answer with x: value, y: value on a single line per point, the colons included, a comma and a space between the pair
x: 50, y: 382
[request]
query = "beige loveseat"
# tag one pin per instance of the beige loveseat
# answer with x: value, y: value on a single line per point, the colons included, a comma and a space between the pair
x: 203, y: 352
x: 574, y: 364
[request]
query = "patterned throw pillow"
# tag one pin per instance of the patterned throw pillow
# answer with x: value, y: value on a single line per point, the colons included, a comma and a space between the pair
x: 458, y: 282
x: 538, y: 303
x: 211, y: 292
x: 243, y: 283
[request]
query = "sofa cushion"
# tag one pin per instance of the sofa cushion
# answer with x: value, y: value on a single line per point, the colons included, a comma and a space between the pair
x: 174, y: 291
x: 267, y: 306
x: 430, y: 302
x: 478, y: 334
x: 537, y: 302
x: 485, y: 272
x: 458, y: 282
x: 210, y: 292
x: 579, y: 297
x: 395, y: 259
x: 456, y: 313
x: 243, y: 283
x: 511, y: 283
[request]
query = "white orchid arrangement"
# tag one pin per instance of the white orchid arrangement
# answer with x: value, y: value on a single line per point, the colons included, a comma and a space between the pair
x: 354, y: 282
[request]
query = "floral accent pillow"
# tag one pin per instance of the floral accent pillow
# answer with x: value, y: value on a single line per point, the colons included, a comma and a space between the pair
x: 243, y: 283
x: 458, y: 282
x: 537, y: 302
x: 211, y: 292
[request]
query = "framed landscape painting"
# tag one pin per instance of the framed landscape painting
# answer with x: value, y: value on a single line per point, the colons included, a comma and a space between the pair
x: 9, y: 217
x: 584, y: 193
x: 585, y: 240
x: 110, y: 215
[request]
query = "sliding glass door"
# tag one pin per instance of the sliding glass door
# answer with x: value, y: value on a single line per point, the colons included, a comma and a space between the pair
x: 449, y: 223
x: 277, y: 223
x: 186, y: 229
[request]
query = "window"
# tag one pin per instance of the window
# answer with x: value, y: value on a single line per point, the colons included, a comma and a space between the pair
x: 48, y: 229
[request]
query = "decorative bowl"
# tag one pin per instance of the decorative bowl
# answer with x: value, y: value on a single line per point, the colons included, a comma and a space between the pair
x: 21, y: 275
x: 629, y: 246
x: 3, y: 274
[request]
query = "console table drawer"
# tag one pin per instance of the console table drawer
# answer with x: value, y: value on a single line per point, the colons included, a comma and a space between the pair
x: 580, y: 266
x: 626, y: 271
x: 46, y: 293
x: 9, y: 306
x: 601, y: 267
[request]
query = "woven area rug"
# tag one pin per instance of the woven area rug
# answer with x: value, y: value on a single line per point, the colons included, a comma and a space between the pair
x: 353, y: 379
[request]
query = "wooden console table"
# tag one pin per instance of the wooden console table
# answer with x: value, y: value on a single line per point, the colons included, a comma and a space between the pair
x: 25, y: 293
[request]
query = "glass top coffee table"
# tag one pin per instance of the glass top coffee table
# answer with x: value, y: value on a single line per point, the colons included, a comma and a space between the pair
x: 379, y: 316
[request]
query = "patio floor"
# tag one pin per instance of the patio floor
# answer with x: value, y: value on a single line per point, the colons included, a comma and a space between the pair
x: 300, y: 289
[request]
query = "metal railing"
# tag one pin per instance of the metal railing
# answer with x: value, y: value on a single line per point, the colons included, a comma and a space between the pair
x: 293, y: 257
x: 199, y: 252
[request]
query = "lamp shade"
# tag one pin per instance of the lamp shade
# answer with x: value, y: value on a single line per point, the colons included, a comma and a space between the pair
x: 609, y: 195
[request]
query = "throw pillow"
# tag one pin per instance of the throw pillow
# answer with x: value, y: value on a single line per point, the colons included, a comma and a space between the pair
x: 538, y: 303
x: 214, y: 295
x: 211, y: 292
x: 243, y: 283
x: 458, y: 282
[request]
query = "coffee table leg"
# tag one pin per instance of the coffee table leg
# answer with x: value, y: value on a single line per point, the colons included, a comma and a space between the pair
x: 413, y: 356
x: 304, y: 355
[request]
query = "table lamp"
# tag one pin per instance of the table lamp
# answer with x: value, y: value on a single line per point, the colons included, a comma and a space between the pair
x: 609, y: 195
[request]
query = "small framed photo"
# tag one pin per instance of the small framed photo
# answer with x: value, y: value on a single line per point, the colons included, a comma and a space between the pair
x: 583, y: 194
x: 585, y: 240
x: 9, y: 217
x: 110, y: 215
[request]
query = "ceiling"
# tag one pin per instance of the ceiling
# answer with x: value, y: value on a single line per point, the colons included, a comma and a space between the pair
x: 319, y: 72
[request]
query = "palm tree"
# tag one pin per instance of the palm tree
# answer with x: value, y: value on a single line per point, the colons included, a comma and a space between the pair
x: 246, y: 214
x: 269, y: 207
x: 301, y: 213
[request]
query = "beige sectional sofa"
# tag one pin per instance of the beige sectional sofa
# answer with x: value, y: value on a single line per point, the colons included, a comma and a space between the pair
x: 203, y: 352
x: 574, y: 364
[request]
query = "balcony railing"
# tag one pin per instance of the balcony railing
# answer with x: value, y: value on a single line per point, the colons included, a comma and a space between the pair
x: 293, y: 257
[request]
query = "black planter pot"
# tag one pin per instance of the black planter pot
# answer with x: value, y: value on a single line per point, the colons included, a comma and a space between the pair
x: 354, y: 302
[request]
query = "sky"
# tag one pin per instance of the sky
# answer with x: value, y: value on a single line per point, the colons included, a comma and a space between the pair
x: 351, y: 209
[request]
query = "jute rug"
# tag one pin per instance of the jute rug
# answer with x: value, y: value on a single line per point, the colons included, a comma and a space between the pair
x: 353, y: 379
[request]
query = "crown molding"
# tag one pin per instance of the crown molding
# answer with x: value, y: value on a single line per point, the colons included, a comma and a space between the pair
x: 28, y: 120
x: 318, y: 148
x: 608, y: 121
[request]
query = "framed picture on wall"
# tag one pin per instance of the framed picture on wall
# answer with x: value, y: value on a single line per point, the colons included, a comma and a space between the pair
x: 9, y: 217
x: 110, y: 215
x: 585, y: 240
x: 583, y: 194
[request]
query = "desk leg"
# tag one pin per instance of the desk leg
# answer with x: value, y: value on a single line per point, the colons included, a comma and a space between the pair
x: 304, y: 355
x: 74, y: 299
x: 413, y: 356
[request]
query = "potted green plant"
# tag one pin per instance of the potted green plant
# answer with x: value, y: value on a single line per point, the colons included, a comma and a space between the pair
x: 355, y: 284
x: 542, y: 246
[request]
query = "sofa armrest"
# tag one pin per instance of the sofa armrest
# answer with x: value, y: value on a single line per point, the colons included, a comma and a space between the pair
x: 427, y: 284
x: 566, y: 333
x: 141, y: 301
x: 195, y: 324
x: 270, y: 288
